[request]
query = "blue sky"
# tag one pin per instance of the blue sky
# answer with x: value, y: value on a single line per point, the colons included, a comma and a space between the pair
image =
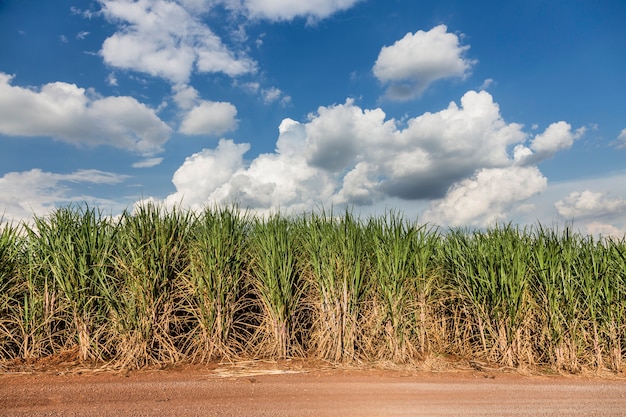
x: 457, y: 113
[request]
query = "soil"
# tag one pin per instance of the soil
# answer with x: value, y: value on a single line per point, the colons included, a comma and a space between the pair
x: 260, y: 388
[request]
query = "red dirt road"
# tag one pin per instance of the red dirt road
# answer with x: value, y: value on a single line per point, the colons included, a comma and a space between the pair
x: 237, y: 392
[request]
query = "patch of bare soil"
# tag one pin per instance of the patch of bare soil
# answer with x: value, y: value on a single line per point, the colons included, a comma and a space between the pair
x: 294, y: 388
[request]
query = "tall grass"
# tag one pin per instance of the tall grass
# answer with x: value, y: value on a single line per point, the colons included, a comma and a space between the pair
x: 144, y: 291
x: 215, y: 283
x: 426, y: 250
x: 581, y: 281
x: 9, y: 250
x: 9, y: 262
x: 615, y: 302
x: 490, y: 273
x: 393, y: 274
x: 75, y: 245
x: 161, y: 286
x: 276, y: 282
x: 336, y: 268
x: 34, y: 323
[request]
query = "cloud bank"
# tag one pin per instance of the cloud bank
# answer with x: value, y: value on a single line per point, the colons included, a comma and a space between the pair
x: 462, y: 159
x: 583, y: 204
x: 80, y: 117
x: 36, y: 192
x: 167, y: 39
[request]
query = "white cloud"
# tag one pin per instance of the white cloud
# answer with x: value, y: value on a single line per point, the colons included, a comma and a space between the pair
x: 74, y: 115
x: 346, y: 155
x: 163, y: 39
x: 203, y: 117
x: 557, y: 137
x: 251, y: 87
x: 111, y: 80
x: 271, y: 94
x: 339, y: 136
x: 469, y: 164
x: 604, y: 230
x: 35, y: 192
x: 88, y: 14
x: 185, y: 96
x: 198, y: 6
x: 414, y: 62
x: 596, y: 212
x: 486, y: 84
x: 148, y: 163
x: 603, y: 192
x: 590, y: 204
x: 280, y: 180
x: 487, y: 197
x: 203, y: 173
x: 210, y: 118
x: 313, y: 10
x: 621, y: 140
x: 268, y: 95
x: 452, y: 144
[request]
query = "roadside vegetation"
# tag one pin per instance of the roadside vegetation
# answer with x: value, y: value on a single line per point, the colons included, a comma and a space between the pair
x: 164, y: 286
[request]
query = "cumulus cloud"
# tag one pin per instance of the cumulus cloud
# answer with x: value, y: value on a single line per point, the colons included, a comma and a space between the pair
x: 275, y: 10
x: 588, y: 204
x: 557, y: 137
x: 210, y: 118
x: 451, y: 144
x: 203, y: 117
x: 204, y: 172
x: 80, y: 117
x: 36, y: 192
x: 185, y: 96
x: 487, y: 197
x: 279, y: 180
x: 604, y: 229
x: 413, y: 63
x: 289, y: 9
x: 164, y: 39
x: 460, y: 157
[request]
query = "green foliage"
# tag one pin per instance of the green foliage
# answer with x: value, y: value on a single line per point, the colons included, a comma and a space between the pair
x: 161, y: 286
x: 74, y: 246
x: 144, y: 291
x: 215, y: 281
x: 336, y: 265
x: 490, y: 272
x: 392, y: 241
x: 275, y: 279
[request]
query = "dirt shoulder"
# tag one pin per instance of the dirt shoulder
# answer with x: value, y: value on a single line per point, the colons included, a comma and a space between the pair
x: 271, y: 389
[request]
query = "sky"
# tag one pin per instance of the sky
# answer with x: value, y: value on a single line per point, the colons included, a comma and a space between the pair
x: 455, y: 113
